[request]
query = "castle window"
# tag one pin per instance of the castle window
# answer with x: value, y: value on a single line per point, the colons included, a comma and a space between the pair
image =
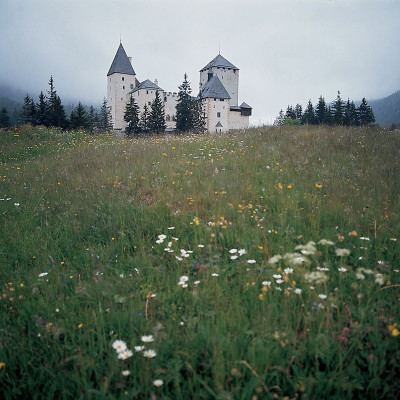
x: 221, y: 99
x: 218, y: 114
x: 215, y: 99
x: 131, y: 85
x: 165, y: 99
x: 149, y: 103
x: 123, y: 87
x: 168, y: 118
x: 123, y: 78
x: 147, y: 92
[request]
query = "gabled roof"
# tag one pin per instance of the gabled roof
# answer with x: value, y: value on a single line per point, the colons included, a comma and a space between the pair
x: 121, y: 63
x: 147, y: 84
x: 214, y: 88
x: 219, y: 62
x: 245, y: 105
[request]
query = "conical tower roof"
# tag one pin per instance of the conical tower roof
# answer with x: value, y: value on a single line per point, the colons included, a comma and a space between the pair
x: 121, y: 63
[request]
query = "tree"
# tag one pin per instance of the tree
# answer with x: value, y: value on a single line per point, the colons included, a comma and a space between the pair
x: 56, y: 113
x: 104, y: 123
x: 298, y: 111
x: 321, y: 111
x: 350, y: 117
x: 4, y: 119
x: 92, y: 119
x: 144, y: 119
x: 41, y: 111
x: 365, y: 113
x: 157, y: 115
x: 79, y: 117
x: 337, y: 110
x: 131, y: 117
x: 308, y: 115
x: 280, y: 118
x: 198, y: 117
x: 290, y: 113
x: 28, y: 112
x: 184, y: 117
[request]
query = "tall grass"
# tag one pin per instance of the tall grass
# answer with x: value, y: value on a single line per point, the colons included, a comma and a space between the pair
x: 97, y: 231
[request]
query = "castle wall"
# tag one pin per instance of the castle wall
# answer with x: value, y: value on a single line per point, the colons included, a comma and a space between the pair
x: 118, y: 87
x: 217, y: 110
x: 228, y: 77
x: 238, y: 121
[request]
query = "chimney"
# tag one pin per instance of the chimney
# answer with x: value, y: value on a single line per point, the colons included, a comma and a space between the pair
x: 156, y: 81
x: 130, y: 60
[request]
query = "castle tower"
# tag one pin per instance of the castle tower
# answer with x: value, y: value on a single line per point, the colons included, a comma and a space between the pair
x: 227, y: 73
x: 121, y: 79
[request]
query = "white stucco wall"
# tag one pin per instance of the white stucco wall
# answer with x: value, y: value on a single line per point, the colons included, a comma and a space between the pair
x: 238, y: 121
x: 170, y: 100
x: 228, y: 77
x: 118, y: 87
x: 212, y: 108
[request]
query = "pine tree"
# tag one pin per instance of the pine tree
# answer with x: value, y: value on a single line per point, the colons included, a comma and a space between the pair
x: 298, y: 111
x: 4, y: 119
x: 56, y: 113
x: 321, y: 111
x: 144, y: 119
x: 79, y: 117
x: 28, y: 112
x: 337, y: 110
x: 290, y: 113
x: 198, y: 117
x: 366, y: 115
x: 309, y: 115
x: 41, y: 111
x: 279, y: 120
x: 104, y: 119
x: 131, y: 117
x: 184, y: 116
x: 92, y: 119
x: 157, y: 115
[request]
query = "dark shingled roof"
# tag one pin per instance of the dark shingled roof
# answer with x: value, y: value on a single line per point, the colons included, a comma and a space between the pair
x: 219, y: 62
x: 245, y: 105
x: 121, y: 63
x: 147, y: 84
x: 214, y: 88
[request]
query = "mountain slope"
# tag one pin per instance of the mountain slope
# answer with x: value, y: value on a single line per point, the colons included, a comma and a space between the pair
x: 387, y: 110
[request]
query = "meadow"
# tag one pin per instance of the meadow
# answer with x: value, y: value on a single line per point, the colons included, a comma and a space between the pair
x: 254, y: 265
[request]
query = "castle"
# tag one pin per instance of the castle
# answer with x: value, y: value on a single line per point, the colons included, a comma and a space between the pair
x: 219, y: 87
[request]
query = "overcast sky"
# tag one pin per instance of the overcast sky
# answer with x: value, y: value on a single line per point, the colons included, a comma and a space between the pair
x: 288, y: 51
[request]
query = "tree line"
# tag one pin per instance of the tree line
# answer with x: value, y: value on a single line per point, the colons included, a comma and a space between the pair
x: 189, y: 113
x: 49, y: 111
x: 338, y: 112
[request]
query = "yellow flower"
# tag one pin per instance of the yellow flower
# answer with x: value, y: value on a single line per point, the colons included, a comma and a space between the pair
x: 2, y: 364
x: 261, y: 296
x: 289, y: 186
x: 318, y: 185
x: 280, y: 186
x: 80, y: 326
x: 393, y: 330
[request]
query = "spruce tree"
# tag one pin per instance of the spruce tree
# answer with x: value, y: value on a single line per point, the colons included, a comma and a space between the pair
x: 321, y: 111
x: 104, y: 123
x: 157, y: 115
x: 279, y: 120
x: 365, y: 113
x: 298, y: 111
x: 290, y: 113
x: 79, y: 117
x: 56, y: 113
x: 337, y: 111
x: 4, y: 119
x: 144, y: 119
x: 28, y: 112
x: 309, y: 115
x: 184, y: 116
x: 41, y: 111
x: 92, y: 119
x: 131, y: 117
x: 198, y: 117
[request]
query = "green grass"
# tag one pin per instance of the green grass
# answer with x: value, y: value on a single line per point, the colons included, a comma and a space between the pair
x: 80, y: 217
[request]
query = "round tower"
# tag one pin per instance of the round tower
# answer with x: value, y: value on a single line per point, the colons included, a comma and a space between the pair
x: 121, y: 79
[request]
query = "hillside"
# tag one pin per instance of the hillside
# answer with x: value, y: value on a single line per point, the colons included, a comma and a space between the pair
x: 387, y: 110
x: 13, y: 108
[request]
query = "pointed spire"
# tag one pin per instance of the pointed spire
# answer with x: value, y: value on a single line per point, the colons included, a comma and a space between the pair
x: 121, y: 63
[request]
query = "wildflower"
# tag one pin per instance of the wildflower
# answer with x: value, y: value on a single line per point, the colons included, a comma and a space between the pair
x: 325, y: 242
x: 214, y: 274
x: 322, y: 296
x: 242, y: 251
x: 251, y: 261
x: 16, y: 204
x: 196, y: 282
x: 170, y: 228
x: 234, y: 257
x: 288, y: 271
x: 353, y: 233
x: 295, y: 259
x: 119, y: 346
x: 2, y: 364
x: 318, y: 185
x: 43, y: 274
x: 183, y: 278
x: 139, y: 348
x: 379, y: 279
x: 80, y: 326
x: 123, y: 355
x: 316, y: 277
x: 393, y: 330
x: 261, y: 296
x: 233, y: 251
x: 277, y: 276
x: 147, y: 339
x: 275, y: 259
x: 200, y: 245
x: 342, y: 252
x: 266, y: 283
x: 342, y: 269
x: 364, y: 238
x: 158, y: 382
x: 280, y: 186
x: 126, y: 373
x: 298, y: 291
x: 149, y: 354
